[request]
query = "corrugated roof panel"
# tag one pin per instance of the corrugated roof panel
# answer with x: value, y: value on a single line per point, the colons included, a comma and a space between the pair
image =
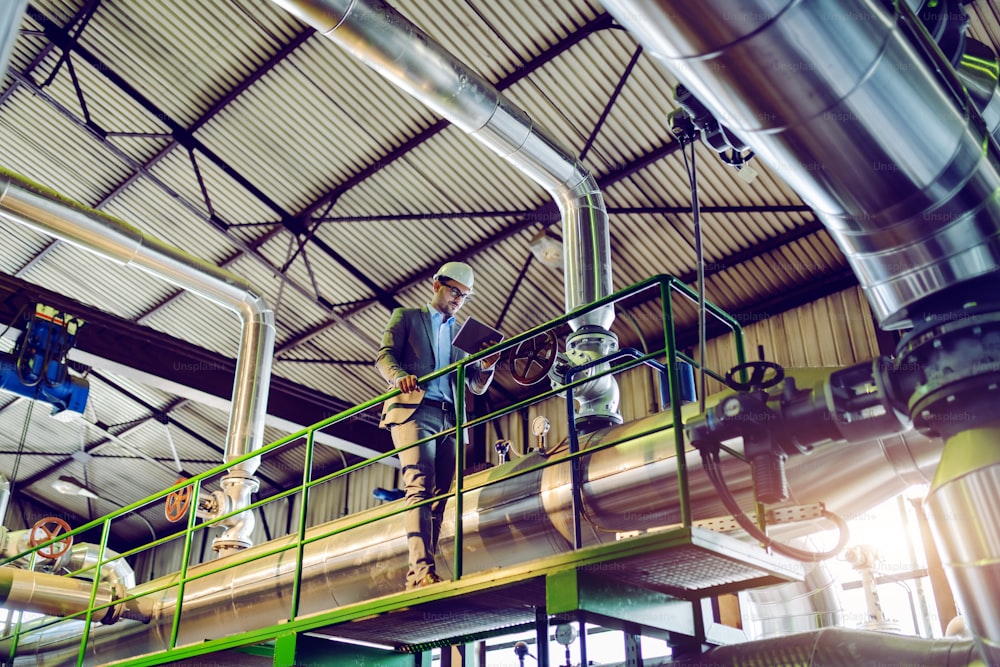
x: 114, y: 288
x: 570, y: 95
x: 20, y: 245
x: 115, y: 400
x: 65, y: 157
x: 38, y: 431
x: 318, y: 273
x: 294, y: 312
x: 198, y: 320
x: 299, y: 131
x: 645, y: 245
x: 495, y: 39
x: 355, y: 381
x: 231, y: 202
x: 157, y: 214
x: 31, y: 45
x: 404, y: 247
x: 163, y: 442
x: 94, y: 99
x: 186, y: 55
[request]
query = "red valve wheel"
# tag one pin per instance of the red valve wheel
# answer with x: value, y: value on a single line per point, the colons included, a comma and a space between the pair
x: 177, y: 502
x: 44, y: 530
x: 533, y: 358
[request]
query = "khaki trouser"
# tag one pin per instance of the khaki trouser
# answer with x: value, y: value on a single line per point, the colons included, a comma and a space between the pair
x: 427, y: 470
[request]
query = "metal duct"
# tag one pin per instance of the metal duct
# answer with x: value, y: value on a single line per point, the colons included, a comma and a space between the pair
x: 961, y: 508
x: 4, y: 498
x: 44, y: 211
x: 838, y: 647
x: 48, y: 593
x: 11, y: 15
x: 797, y: 606
x: 853, y: 105
x: 115, y: 571
x: 850, y: 103
x: 383, y: 39
x: 507, y: 523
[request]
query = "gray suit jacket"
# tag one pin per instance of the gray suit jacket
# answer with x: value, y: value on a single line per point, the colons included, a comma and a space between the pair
x: 407, y: 349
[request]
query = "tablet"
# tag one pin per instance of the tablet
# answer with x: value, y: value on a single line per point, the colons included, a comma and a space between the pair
x: 473, y: 334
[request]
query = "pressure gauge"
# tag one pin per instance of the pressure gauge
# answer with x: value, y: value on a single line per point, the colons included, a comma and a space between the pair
x: 540, y: 426
x: 565, y: 633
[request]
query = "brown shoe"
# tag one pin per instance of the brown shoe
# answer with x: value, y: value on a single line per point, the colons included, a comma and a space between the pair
x: 428, y: 579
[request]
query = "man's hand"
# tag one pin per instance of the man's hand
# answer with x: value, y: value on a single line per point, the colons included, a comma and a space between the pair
x: 407, y: 383
x: 490, y: 361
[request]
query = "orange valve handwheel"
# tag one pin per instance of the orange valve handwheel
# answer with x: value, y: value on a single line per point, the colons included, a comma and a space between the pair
x: 177, y: 502
x: 46, y: 529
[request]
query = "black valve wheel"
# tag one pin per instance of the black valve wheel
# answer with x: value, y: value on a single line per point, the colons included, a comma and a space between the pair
x: 763, y: 375
x: 533, y: 358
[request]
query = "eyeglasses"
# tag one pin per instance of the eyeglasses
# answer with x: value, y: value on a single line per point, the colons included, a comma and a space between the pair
x: 455, y: 292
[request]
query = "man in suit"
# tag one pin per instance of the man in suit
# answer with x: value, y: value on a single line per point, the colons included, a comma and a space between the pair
x: 416, y: 342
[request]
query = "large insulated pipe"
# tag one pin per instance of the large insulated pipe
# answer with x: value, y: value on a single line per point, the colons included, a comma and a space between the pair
x: 961, y: 508
x: 840, y: 647
x: 386, y: 41
x: 852, y: 104
x: 849, y: 102
x: 44, y: 211
x: 49, y: 594
x: 625, y: 488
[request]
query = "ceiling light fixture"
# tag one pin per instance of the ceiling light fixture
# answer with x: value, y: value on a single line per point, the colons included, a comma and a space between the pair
x: 71, y: 486
x: 547, y: 249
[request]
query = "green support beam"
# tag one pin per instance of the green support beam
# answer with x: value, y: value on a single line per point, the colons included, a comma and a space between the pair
x: 615, y: 604
x: 297, y: 649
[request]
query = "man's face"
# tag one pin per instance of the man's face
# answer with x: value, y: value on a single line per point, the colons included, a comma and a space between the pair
x: 449, y: 296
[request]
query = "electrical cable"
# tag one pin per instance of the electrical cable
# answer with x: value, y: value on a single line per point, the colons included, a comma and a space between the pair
x: 710, y: 460
x: 691, y: 167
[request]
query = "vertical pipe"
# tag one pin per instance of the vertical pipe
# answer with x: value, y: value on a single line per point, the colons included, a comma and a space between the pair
x: 961, y: 508
x: 11, y: 15
x: 383, y: 39
x: 4, y: 498
x: 44, y: 211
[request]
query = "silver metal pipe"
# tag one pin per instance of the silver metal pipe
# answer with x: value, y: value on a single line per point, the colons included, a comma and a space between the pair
x: 115, y: 571
x: 797, y: 606
x: 852, y: 106
x: 48, y: 593
x: 961, y: 510
x: 386, y: 41
x: 4, y: 498
x: 46, y: 212
x: 840, y: 647
x: 383, y: 39
x: 625, y: 488
x: 11, y: 15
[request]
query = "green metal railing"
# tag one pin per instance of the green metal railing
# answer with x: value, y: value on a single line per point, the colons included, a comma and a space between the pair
x: 667, y: 287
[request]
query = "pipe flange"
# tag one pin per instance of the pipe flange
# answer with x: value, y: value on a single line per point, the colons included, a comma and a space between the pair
x: 114, y: 612
x: 940, y: 372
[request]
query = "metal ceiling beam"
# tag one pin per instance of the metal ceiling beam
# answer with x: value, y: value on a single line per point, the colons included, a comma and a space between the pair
x: 185, y: 137
x: 129, y: 344
x: 527, y: 69
x: 529, y: 218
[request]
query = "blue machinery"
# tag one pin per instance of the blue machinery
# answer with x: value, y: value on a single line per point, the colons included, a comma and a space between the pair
x: 37, y: 367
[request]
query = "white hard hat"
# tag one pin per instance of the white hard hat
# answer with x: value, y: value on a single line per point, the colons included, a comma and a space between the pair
x: 460, y: 272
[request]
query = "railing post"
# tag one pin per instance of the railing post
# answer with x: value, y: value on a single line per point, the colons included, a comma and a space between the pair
x: 459, y: 466
x: 303, y: 515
